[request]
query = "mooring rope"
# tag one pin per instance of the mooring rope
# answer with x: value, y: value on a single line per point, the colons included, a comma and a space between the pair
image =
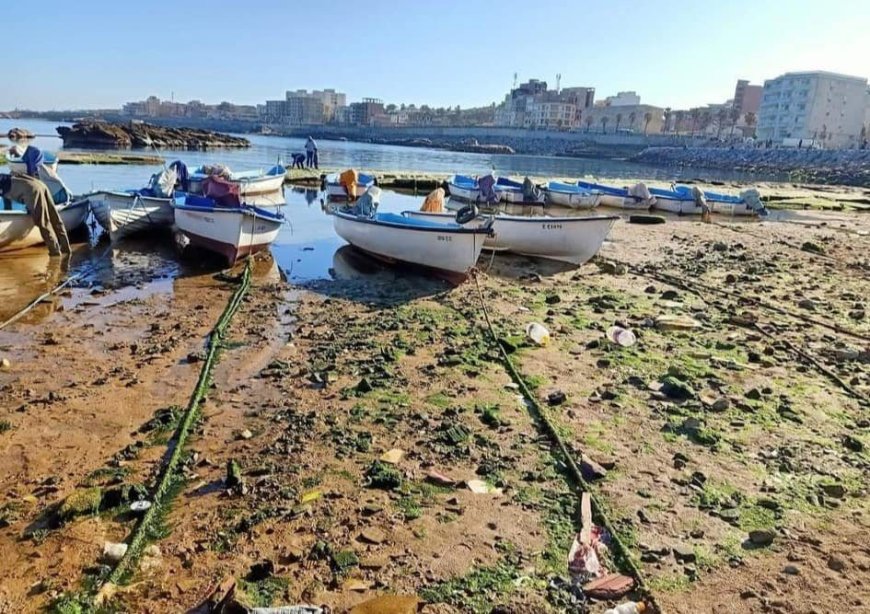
x: 568, y: 457
x: 191, y: 413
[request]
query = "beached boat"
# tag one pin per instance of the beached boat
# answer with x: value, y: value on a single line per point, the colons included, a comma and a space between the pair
x: 611, y: 196
x: 464, y: 187
x: 747, y: 203
x: 18, y: 231
x: 567, y: 239
x: 680, y: 202
x: 511, y: 191
x: 17, y: 165
x: 233, y: 232
x: 448, y: 248
x: 249, y: 182
x: 336, y: 191
x: 572, y: 195
x: 122, y: 213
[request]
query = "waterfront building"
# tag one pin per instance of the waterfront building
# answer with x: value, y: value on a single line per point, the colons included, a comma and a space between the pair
x: 822, y: 107
x: 624, y: 118
x: 747, y: 98
x: 622, y: 99
x: 364, y: 113
x: 531, y: 105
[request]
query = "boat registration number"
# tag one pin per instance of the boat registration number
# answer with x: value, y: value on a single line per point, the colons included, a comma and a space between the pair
x: 547, y: 226
x: 445, y: 238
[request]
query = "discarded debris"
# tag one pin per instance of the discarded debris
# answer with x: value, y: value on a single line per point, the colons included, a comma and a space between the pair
x: 480, y: 487
x: 621, y: 336
x: 538, y: 333
x: 113, y: 552
x: 609, y: 586
x: 676, y: 322
x: 436, y: 477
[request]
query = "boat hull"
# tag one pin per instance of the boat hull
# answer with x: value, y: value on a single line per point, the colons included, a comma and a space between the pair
x: 122, y: 214
x: 17, y: 230
x: 448, y: 250
x: 680, y: 207
x: 574, y: 200
x: 567, y: 239
x: 464, y: 193
x: 732, y: 208
x: 265, y: 184
x: 232, y: 233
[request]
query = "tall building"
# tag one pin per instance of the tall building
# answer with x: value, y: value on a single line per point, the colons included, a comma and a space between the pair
x: 532, y: 105
x: 747, y: 98
x: 824, y: 107
x: 622, y: 99
x: 364, y: 113
x: 329, y: 98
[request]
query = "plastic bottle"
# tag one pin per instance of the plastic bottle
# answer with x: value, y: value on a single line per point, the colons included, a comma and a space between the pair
x: 538, y: 333
x: 629, y: 607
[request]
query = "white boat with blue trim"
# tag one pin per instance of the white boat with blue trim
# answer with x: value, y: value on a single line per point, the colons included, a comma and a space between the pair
x: 249, y: 182
x: 572, y: 195
x: 17, y: 230
x: 464, y: 187
x: 567, y: 239
x: 448, y: 248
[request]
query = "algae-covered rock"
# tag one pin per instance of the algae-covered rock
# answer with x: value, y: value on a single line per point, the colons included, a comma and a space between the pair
x: 81, y: 502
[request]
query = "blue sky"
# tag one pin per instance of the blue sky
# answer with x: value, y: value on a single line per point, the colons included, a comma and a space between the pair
x: 62, y: 54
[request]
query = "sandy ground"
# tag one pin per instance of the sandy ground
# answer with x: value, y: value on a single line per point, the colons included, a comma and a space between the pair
x: 707, y: 434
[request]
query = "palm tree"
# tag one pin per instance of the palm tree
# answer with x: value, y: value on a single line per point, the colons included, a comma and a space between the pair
x: 588, y: 123
x: 696, y: 113
x: 749, y: 119
x: 667, y: 116
x: 631, y: 119
x: 721, y: 116
x: 735, y: 115
x: 604, y: 120
x: 647, y: 118
x: 618, y: 121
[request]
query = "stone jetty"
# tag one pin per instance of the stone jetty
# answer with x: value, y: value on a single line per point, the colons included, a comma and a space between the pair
x: 821, y: 166
x: 105, y: 135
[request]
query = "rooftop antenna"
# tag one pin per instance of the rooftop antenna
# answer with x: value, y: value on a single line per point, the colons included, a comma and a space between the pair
x: 515, y: 80
x: 558, y: 82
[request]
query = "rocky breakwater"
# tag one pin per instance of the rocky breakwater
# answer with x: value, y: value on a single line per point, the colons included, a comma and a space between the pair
x: 466, y: 145
x: 826, y: 166
x: 104, y: 135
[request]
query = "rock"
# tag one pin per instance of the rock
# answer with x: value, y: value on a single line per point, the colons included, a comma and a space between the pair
x: 557, y: 397
x: 610, y: 586
x: 837, y: 491
x: 673, y: 388
x: 853, y: 444
x: 364, y: 386
x: 234, y: 474
x: 670, y: 295
x: 260, y: 571
x: 388, y: 604
x: 762, y: 537
x: 245, y: 434
x: 590, y: 469
x: 650, y: 290
x: 373, y: 535
x: 676, y: 322
x: 553, y: 299
x: 807, y: 304
x: 194, y: 357
x: 791, y: 570
x: 611, y: 268
x: 5, y: 364
x: 80, y: 502
x: 836, y: 563
x: 814, y: 248
x: 684, y: 555
x: 393, y: 456
x: 100, y: 134
x: 374, y: 562
x: 113, y: 553
x: 753, y: 394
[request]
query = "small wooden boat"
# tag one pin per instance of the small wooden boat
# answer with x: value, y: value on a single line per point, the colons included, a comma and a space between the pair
x: 680, y: 202
x: 249, y: 182
x: 17, y: 165
x: 233, y: 232
x: 611, y: 196
x: 572, y: 195
x: 123, y: 213
x: 336, y: 191
x: 464, y: 187
x: 447, y: 248
x: 18, y: 231
x: 567, y: 239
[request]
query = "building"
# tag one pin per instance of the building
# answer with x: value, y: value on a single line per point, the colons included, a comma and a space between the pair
x: 819, y: 106
x: 364, y: 113
x: 533, y: 106
x: 747, y: 98
x: 622, y: 99
x: 637, y: 118
x: 302, y: 109
x: 329, y: 98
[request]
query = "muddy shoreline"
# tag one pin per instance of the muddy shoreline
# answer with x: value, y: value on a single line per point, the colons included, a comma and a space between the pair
x: 703, y: 435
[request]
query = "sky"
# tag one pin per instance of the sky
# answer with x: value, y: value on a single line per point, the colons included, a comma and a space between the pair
x: 675, y: 53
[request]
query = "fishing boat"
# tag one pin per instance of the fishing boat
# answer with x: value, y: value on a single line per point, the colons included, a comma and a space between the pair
x: 18, y: 231
x: 747, y: 203
x: 676, y: 201
x: 464, y: 187
x: 512, y: 191
x: 572, y: 195
x: 619, y: 198
x: 17, y: 165
x: 448, y: 248
x: 567, y: 239
x: 336, y: 191
x: 127, y: 212
x: 231, y: 231
x: 249, y: 182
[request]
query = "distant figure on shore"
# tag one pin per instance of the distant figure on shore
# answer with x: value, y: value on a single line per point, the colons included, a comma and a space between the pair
x: 298, y: 160
x: 40, y: 205
x: 311, y: 153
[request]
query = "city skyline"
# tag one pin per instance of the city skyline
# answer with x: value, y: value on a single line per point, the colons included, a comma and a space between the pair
x: 678, y: 56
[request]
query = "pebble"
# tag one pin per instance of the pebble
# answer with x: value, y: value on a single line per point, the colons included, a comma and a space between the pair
x: 5, y: 363
x: 836, y: 563
x: 373, y: 535
x: 791, y: 570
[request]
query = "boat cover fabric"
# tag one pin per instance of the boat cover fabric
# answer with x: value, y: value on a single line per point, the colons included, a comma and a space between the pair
x: 699, y: 198
x: 434, y: 202
x: 222, y: 191
x: 487, y: 189
x: 219, y: 170
x: 752, y: 198
x: 367, y: 204
x: 349, y: 180
x: 531, y: 193
x: 162, y: 184
x: 641, y: 192
x: 183, y: 180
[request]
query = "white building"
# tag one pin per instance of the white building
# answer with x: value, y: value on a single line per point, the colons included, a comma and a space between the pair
x: 822, y: 106
x: 623, y: 99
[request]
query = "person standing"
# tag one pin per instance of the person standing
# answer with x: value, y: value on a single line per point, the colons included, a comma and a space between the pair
x: 40, y: 205
x: 311, y: 153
